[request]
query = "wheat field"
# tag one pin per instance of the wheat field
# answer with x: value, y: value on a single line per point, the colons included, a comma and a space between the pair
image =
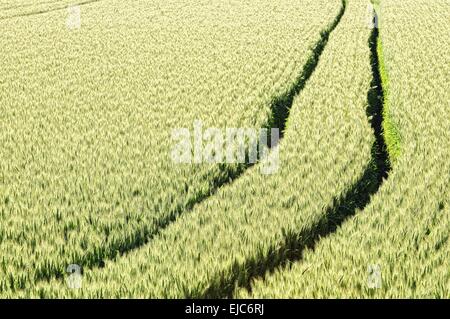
x: 98, y: 99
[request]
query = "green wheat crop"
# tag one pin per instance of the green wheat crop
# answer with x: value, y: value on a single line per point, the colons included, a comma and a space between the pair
x: 406, y: 227
x: 253, y: 223
x: 87, y: 115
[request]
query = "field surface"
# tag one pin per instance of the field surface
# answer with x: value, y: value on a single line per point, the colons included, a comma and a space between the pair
x: 406, y: 227
x: 87, y: 174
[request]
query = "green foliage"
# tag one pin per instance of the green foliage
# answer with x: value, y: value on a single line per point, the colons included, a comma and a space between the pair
x: 258, y: 221
x: 405, y: 228
x: 86, y: 175
x: 391, y: 133
x: 87, y: 115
